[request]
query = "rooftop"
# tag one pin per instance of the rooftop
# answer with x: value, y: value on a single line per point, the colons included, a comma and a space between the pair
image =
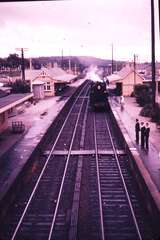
x: 123, y: 73
x: 12, y: 100
x: 55, y: 73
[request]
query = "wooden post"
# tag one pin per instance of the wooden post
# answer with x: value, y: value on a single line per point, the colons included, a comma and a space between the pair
x: 153, y: 55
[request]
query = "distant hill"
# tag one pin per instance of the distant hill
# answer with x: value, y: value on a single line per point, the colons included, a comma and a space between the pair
x: 84, y: 60
x: 93, y: 60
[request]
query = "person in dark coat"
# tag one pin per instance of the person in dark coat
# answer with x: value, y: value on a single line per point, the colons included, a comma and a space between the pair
x: 137, y: 130
x: 142, y: 134
x: 147, y: 131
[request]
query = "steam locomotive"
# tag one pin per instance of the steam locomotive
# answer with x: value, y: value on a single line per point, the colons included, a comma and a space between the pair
x: 99, y: 96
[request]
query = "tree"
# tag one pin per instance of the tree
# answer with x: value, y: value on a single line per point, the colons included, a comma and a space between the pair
x: 36, y: 64
x: 19, y: 86
x: 13, y: 61
x: 3, y: 62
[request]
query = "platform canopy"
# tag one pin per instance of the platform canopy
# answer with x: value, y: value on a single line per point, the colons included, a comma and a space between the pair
x: 13, y: 100
x: 65, y: 78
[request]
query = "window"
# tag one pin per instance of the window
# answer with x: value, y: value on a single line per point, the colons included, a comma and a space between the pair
x: 47, y: 86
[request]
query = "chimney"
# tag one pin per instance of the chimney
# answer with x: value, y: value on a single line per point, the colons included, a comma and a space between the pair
x: 30, y: 63
x: 49, y: 65
x: 55, y: 64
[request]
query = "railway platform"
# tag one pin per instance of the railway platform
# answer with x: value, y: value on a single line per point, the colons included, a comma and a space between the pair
x: 19, y: 147
x: 150, y: 158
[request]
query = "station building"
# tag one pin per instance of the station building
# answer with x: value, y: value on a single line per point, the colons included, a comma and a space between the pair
x: 125, y: 80
x: 44, y: 82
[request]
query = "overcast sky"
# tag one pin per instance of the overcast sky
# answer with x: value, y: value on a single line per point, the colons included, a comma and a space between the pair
x: 79, y: 27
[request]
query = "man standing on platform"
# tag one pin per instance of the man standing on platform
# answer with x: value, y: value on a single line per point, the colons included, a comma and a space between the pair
x: 122, y: 102
x: 142, y: 134
x: 147, y: 131
x: 137, y: 130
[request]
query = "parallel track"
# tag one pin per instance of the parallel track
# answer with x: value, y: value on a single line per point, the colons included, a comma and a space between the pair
x: 85, y: 189
x: 41, y: 208
x: 117, y: 210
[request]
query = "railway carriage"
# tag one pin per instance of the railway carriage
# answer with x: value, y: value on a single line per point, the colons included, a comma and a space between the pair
x: 99, y: 96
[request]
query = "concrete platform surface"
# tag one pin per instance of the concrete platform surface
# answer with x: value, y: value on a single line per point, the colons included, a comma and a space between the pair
x: 150, y: 158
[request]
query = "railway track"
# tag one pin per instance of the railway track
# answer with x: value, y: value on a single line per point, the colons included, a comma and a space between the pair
x: 115, y: 211
x: 114, y: 193
x: 84, y: 190
x: 39, y: 210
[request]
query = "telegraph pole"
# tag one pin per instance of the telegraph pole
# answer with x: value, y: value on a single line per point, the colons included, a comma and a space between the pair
x: 159, y: 14
x: 112, y: 58
x: 23, y: 67
x: 134, y: 69
x: 153, y: 54
x: 62, y: 59
x: 22, y: 62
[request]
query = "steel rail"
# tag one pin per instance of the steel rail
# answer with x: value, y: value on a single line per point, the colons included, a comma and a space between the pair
x: 124, y: 184
x: 65, y: 170
x: 46, y: 163
x: 99, y: 186
x: 76, y: 197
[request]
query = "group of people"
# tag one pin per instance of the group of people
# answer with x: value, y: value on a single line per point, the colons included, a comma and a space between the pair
x: 142, y: 131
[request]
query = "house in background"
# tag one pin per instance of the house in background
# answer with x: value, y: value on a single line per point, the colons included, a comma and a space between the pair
x: 125, y: 80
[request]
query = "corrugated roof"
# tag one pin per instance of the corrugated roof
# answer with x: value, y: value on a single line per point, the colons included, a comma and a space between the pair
x: 125, y: 71
x: 31, y: 74
x: 55, y: 73
x: 51, y: 72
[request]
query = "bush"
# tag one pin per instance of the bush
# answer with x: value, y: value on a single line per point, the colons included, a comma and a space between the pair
x: 19, y: 86
x: 156, y: 113
x: 146, y: 111
x: 142, y: 94
x: 139, y: 88
x: 143, y: 99
x: 153, y: 113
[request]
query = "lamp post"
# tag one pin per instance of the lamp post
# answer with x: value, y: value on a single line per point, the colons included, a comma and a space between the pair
x: 153, y: 55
